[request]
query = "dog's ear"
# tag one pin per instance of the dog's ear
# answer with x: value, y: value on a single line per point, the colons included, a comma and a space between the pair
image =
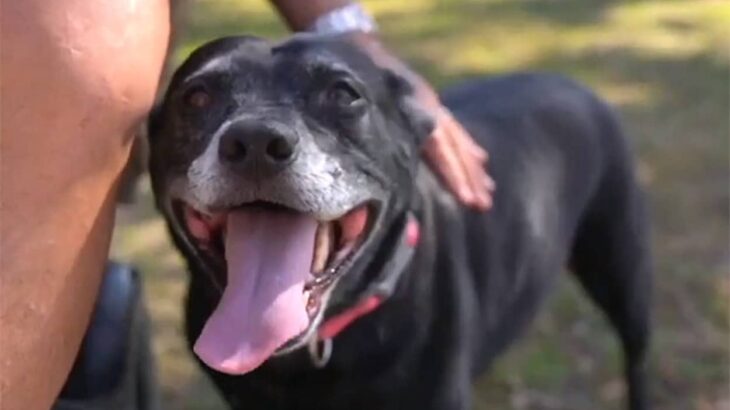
x: 419, y: 121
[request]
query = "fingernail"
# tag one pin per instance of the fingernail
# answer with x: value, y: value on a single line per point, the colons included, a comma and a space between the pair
x: 481, y: 154
x: 488, y: 203
x: 466, y: 195
x: 484, y: 199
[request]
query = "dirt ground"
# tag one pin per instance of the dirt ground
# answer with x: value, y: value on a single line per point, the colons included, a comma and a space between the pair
x: 664, y: 65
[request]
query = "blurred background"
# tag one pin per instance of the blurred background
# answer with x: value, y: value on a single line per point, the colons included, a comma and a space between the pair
x: 663, y: 64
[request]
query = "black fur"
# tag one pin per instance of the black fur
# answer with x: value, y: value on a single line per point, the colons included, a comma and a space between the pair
x: 567, y: 197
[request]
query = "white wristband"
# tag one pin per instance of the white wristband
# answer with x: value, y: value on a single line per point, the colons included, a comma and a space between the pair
x: 351, y: 17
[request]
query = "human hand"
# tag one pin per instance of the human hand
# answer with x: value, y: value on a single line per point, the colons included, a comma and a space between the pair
x: 450, y: 151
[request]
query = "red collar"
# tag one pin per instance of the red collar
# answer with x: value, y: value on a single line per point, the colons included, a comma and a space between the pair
x: 336, y: 324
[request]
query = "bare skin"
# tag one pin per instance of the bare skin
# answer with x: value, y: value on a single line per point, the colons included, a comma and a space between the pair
x: 77, y: 79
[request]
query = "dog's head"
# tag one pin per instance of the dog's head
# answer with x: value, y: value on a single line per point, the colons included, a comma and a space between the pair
x: 280, y: 168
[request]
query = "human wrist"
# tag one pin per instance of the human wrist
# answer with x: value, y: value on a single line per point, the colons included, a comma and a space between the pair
x: 347, y: 18
x: 299, y: 15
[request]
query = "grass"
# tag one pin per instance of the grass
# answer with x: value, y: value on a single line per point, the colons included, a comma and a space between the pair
x: 664, y: 65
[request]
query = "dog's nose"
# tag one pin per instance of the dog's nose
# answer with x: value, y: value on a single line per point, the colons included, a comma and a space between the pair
x: 247, y: 145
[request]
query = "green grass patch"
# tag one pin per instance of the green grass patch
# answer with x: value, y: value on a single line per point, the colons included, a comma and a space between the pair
x: 664, y: 65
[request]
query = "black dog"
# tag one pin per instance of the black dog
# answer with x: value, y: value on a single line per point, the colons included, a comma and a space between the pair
x: 329, y: 268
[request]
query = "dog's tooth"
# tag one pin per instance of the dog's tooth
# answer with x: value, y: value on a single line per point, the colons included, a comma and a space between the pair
x: 324, y: 240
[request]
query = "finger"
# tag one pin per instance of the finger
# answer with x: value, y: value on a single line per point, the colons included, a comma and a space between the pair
x: 471, y: 157
x: 465, y: 145
x: 468, y: 142
x: 463, y: 137
x: 489, y: 184
x: 480, y: 183
x: 478, y: 151
x: 444, y: 159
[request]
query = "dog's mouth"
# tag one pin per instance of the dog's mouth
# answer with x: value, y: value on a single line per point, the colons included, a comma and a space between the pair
x: 281, y: 266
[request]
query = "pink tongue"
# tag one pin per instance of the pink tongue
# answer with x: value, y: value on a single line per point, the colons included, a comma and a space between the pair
x: 269, y: 255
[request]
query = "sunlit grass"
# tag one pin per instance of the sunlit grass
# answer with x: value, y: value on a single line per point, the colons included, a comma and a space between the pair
x: 664, y: 64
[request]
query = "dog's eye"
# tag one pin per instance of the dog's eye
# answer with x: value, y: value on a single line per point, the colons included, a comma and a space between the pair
x: 197, y: 97
x: 343, y: 94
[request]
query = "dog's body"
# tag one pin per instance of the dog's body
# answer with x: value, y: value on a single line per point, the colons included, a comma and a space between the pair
x: 567, y: 197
